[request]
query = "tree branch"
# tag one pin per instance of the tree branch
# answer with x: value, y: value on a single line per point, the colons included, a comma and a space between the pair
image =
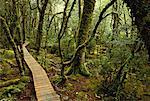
x: 108, y: 14
x: 53, y: 18
x: 62, y: 27
x: 64, y: 18
x: 66, y: 23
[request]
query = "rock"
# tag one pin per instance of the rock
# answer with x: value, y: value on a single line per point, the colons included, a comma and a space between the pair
x: 65, y: 98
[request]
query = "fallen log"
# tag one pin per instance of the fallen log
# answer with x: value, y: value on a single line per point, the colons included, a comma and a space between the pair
x: 9, y: 82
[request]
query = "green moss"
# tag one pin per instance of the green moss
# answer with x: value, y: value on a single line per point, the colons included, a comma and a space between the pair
x: 25, y: 79
x: 69, y: 86
x: 6, y: 71
x: 133, y: 86
x: 13, y: 88
x: 93, y: 83
x: 81, y: 96
x: 82, y: 70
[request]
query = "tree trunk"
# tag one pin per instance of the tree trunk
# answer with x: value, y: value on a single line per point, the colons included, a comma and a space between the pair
x: 140, y: 10
x: 115, y: 20
x: 13, y: 44
x: 23, y: 20
x: 39, y: 33
x: 40, y: 25
x: 85, y: 25
x: 14, y: 33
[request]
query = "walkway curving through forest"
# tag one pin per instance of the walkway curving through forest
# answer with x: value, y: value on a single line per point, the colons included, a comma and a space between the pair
x: 43, y: 88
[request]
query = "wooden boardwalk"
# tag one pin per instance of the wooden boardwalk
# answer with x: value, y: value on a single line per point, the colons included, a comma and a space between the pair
x: 43, y: 88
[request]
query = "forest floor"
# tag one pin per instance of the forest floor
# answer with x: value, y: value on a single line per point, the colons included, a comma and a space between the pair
x: 28, y: 94
x: 14, y: 87
x: 80, y: 88
x: 22, y: 90
x: 76, y: 87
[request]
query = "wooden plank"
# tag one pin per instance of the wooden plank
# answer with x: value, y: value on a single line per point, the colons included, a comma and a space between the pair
x: 43, y: 88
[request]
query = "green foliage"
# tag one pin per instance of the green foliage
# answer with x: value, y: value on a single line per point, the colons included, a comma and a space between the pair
x: 133, y: 88
x: 111, y: 63
x: 6, y: 71
x: 102, y: 63
x: 57, y: 80
x: 81, y: 96
x: 68, y: 48
x: 69, y: 86
x: 9, y: 99
x: 53, y: 49
x: 6, y: 54
x: 91, y: 47
x: 13, y: 90
x: 6, y: 58
x: 25, y: 79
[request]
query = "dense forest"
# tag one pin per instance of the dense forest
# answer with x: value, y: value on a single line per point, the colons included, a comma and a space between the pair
x: 91, y: 50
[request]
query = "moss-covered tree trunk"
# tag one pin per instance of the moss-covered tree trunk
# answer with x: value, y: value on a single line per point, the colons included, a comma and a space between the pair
x: 13, y: 31
x: 13, y: 44
x: 115, y: 20
x: 140, y: 10
x: 40, y: 25
x: 85, y: 26
x: 23, y: 19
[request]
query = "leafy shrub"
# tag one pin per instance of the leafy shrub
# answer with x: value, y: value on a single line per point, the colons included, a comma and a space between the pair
x: 14, y: 89
x: 120, y: 52
x: 6, y: 71
x: 8, y: 54
x: 11, y: 90
x: 91, y: 47
x: 134, y: 88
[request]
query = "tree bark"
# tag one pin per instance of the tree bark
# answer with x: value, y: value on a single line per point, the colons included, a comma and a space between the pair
x: 23, y: 20
x: 140, y: 10
x: 85, y: 25
x: 12, y: 43
x: 40, y: 25
x: 115, y: 18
